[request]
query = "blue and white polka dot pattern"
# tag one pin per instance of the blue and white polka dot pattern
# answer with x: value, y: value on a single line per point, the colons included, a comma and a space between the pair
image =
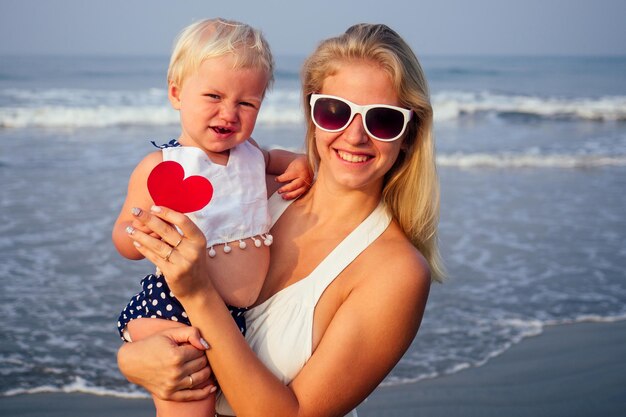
x: 157, y: 301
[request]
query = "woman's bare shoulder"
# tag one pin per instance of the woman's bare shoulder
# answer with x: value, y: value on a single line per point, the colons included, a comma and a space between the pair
x: 387, y: 293
x: 393, y: 265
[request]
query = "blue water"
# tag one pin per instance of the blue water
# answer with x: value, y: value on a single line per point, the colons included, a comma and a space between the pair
x: 532, y: 159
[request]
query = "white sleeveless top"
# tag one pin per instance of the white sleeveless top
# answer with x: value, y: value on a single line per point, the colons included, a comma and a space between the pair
x: 280, y: 330
x: 238, y: 209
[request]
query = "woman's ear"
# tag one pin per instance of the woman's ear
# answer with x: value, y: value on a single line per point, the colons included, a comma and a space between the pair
x: 173, y: 93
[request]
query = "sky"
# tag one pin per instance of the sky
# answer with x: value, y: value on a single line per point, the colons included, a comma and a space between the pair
x: 293, y: 27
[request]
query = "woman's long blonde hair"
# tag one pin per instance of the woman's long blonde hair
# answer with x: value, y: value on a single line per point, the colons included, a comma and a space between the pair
x: 411, y: 187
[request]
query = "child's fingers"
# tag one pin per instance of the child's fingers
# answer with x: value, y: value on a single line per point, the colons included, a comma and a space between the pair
x: 285, y: 177
x: 287, y: 188
x: 289, y: 176
x: 294, y: 185
x: 290, y: 195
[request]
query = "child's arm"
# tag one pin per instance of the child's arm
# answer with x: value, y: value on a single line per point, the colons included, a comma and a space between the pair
x: 137, y: 196
x: 290, y: 168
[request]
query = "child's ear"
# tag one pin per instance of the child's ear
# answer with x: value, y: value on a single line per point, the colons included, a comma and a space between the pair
x: 173, y: 93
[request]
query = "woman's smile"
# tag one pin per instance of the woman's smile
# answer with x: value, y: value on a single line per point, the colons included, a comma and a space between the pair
x: 352, y: 157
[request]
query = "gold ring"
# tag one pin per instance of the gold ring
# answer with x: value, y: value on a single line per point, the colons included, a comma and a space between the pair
x: 178, y: 243
x: 167, y: 257
x: 190, y: 382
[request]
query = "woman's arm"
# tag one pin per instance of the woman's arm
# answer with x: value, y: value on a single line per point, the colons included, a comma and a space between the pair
x: 369, y: 333
x: 372, y: 328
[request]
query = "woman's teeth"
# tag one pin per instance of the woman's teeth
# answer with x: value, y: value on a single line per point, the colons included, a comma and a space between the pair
x: 351, y: 157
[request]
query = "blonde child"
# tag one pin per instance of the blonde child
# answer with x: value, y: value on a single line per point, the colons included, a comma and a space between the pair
x: 218, y: 75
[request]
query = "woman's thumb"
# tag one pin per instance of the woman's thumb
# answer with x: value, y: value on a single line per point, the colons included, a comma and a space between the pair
x: 189, y: 335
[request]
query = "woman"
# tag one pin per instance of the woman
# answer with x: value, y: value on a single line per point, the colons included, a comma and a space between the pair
x: 351, y: 263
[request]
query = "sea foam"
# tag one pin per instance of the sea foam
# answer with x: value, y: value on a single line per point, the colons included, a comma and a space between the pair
x: 79, y: 385
x: 528, y: 160
x: 76, y: 108
x: 450, y: 105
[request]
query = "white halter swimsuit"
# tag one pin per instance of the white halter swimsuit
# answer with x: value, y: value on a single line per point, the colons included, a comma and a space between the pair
x: 280, y: 330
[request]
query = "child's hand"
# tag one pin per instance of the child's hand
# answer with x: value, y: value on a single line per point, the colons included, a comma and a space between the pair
x: 298, y: 177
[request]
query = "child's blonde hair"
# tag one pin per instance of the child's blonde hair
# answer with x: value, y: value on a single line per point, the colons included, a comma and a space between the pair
x: 212, y: 38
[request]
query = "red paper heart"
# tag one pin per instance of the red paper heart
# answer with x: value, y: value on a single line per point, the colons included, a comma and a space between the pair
x: 168, y: 187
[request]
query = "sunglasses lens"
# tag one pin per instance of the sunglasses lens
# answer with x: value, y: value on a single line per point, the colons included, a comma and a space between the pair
x: 331, y: 114
x: 384, y: 123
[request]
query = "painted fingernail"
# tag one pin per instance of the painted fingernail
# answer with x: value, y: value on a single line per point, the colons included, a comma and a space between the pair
x: 137, y: 244
x: 136, y: 211
x: 155, y: 209
x: 205, y: 344
x: 130, y: 230
x: 212, y: 389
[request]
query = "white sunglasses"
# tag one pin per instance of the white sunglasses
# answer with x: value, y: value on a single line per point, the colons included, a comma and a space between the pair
x: 381, y: 121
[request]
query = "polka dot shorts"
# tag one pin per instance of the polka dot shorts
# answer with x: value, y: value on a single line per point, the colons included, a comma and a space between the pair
x: 157, y: 301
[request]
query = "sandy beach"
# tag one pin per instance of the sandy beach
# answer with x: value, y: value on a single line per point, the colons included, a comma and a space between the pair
x: 568, y: 370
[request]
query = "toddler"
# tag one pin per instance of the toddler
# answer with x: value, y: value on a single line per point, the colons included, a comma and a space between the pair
x: 218, y: 75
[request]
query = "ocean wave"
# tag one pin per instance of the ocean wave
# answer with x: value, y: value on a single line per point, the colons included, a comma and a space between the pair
x: 81, y: 97
x: 73, y: 117
x: 451, y: 105
x: 54, y: 108
x: 79, y: 385
x: 588, y: 318
x: 108, y: 116
x: 528, y: 160
x: 460, y: 71
x: 78, y: 108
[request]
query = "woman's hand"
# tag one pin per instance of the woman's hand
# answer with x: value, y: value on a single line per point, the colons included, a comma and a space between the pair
x: 181, y: 258
x: 171, y: 365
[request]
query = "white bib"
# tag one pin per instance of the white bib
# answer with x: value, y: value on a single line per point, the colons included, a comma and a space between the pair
x: 238, y: 209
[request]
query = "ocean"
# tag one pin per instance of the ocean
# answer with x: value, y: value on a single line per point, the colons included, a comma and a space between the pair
x: 532, y: 160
